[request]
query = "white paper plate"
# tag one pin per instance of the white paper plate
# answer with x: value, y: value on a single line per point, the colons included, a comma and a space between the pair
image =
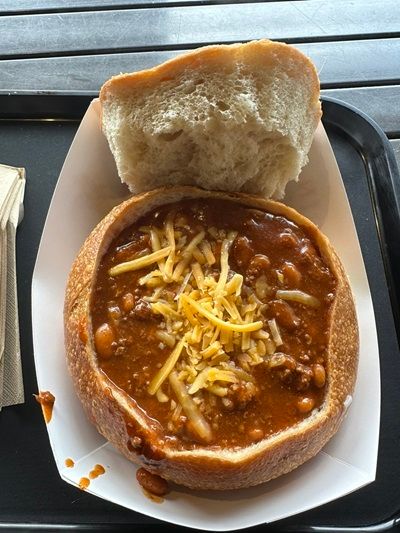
x: 88, y: 187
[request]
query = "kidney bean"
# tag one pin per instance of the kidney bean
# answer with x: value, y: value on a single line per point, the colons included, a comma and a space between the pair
x: 103, y: 340
x: 128, y: 302
x: 256, y: 434
x: 292, y: 274
x: 305, y: 405
x: 319, y: 377
x: 258, y: 264
x: 288, y: 239
x: 152, y: 483
x: 284, y: 314
x: 242, y: 251
x: 261, y: 262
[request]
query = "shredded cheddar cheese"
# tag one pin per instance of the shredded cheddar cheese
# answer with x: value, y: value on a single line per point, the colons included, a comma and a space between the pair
x: 298, y: 296
x: 213, y: 330
x: 140, y: 262
x: 216, y: 321
x: 166, y: 369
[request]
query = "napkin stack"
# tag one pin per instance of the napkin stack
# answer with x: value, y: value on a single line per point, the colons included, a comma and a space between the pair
x: 12, y: 187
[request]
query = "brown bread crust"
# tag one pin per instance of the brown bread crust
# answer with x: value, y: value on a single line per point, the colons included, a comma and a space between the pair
x: 262, y: 53
x: 117, y: 416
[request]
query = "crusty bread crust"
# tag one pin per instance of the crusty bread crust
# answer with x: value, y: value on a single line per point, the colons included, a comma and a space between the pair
x: 263, y: 53
x: 118, y: 417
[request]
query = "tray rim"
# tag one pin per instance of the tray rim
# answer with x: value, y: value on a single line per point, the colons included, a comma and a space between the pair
x: 385, y: 219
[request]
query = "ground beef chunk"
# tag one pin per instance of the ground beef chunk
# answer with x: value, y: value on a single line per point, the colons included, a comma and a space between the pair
x: 290, y: 371
x: 142, y: 311
x: 284, y: 314
x: 129, y: 250
x: 239, y: 395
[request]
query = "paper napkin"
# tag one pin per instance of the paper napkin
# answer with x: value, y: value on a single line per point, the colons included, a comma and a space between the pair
x: 12, y: 187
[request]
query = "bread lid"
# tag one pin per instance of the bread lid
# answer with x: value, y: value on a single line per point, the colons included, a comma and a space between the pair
x: 235, y: 117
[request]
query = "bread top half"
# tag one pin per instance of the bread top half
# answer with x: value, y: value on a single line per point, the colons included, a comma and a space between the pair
x: 229, y: 117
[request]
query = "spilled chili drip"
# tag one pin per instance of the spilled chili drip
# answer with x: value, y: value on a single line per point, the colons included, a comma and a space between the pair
x: 98, y: 470
x: 84, y: 483
x: 46, y: 400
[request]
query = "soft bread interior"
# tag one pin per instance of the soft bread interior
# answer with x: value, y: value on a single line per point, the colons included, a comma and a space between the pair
x: 233, y: 118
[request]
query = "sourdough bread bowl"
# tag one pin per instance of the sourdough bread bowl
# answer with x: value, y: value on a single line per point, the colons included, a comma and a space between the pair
x: 120, y: 419
x: 224, y: 123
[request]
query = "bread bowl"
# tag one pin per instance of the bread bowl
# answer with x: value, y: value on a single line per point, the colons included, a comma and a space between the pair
x: 122, y: 421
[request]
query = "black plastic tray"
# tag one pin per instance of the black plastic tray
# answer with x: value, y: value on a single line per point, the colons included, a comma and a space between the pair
x: 35, y: 132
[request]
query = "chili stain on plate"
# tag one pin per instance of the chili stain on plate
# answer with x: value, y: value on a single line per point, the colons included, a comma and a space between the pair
x: 46, y: 400
x: 84, y: 483
x: 98, y: 470
x: 153, y: 497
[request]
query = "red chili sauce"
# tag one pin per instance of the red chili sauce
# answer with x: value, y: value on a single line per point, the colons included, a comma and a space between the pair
x: 273, y: 377
x: 46, y: 399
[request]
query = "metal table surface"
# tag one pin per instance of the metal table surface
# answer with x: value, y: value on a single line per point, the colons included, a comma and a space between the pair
x: 71, y: 46
x: 75, y: 45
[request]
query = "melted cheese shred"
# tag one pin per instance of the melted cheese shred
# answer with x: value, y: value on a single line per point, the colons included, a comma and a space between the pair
x: 140, y: 262
x: 199, y: 423
x: 170, y: 234
x: 227, y: 326
x: 298, y: 296
x: 166, y: 369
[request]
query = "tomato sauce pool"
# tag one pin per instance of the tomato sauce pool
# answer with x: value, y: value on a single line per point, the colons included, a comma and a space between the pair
x: 214, y: 318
